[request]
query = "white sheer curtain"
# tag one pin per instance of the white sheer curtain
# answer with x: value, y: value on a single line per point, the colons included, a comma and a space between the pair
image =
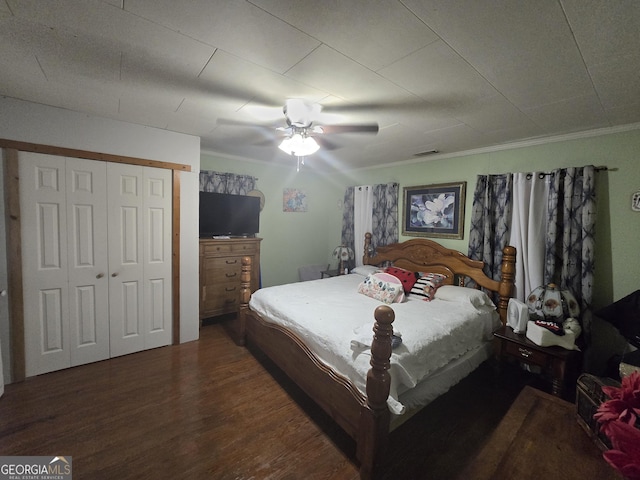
x: 362, y: 218
x: 528, y: 230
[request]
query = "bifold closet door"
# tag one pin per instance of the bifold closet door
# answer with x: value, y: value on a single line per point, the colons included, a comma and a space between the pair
x: 158, y: 204
x: 96, y: 260
x: 139, y: 221
x: 64, y: 261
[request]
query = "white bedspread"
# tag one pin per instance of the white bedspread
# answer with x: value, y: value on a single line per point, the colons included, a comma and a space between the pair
x: 326, y: 313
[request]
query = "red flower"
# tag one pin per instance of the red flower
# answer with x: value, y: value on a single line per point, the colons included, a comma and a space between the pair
x: 614, y: 410
x: 624, y: 404
x: 619, y: 422
x: 625, y: 454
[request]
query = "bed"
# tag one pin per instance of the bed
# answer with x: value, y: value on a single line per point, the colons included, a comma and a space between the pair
x: 368, y: 397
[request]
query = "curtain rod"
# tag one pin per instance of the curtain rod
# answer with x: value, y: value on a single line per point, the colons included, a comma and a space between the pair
x: 395, y: 184
x: 227, y: 174
x: 541, y: 175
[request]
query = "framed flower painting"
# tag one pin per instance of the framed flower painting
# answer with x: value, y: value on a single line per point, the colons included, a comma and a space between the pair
x: 434, y: 210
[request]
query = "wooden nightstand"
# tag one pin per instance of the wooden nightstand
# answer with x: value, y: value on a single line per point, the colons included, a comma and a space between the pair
x: 563, y: 365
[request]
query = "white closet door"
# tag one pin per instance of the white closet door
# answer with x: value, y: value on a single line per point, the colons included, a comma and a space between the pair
x: 87, y: 254
x: 126, y: 262
x: 45, y: 267
x: 157, y: 256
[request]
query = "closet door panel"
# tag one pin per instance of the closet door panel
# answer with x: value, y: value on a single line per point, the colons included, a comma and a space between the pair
x: 87, y: 254
x: 125, y: 235
x: 45, y: 269
x: 157, y: 257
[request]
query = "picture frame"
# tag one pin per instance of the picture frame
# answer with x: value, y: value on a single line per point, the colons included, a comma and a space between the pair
x: 434, y: 210
x: 294, y: 200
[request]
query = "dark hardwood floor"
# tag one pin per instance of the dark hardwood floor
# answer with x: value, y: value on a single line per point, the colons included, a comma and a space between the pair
x: 210, y: 409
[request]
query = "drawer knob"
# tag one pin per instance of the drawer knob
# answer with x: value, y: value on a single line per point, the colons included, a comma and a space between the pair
x: 232, y: 262
x: 230, y: 275
x: 230, y: 289
x: 524, y: 352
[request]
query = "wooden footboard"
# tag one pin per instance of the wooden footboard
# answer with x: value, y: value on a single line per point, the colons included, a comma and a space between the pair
x: 364, y: 417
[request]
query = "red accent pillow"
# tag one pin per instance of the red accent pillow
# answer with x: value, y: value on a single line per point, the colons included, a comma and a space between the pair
x: 407, y: 277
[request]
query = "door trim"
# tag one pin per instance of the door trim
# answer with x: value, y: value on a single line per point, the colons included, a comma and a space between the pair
x: 88, y: 155
x: 14, y: 237
x: 14, y: 264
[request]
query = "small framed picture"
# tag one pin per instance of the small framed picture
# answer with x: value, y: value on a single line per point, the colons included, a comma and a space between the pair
x: 434, y: 210
x: 635, y: 202
x: 294, y: 200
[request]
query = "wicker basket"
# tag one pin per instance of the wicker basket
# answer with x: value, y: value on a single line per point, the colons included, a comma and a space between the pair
x: 589, y: 396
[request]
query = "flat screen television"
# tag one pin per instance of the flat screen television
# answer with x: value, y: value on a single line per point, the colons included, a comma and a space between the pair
x: 229, y: 215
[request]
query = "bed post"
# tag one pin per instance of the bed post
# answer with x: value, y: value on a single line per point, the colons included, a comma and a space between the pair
x: 507, y: 279
x: 374, y: 419
x: 239, y: 330
x: 367, y: 248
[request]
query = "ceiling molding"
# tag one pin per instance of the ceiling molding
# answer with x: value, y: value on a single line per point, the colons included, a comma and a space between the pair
x: 515, y: 145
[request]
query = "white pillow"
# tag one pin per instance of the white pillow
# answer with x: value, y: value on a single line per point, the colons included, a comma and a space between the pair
x: 452, y: 293
x: 365, y: 270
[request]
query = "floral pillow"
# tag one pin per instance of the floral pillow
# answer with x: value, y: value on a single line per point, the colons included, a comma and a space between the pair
x: 383, y: 287
x: 427, y: 285
x: 407, y: 277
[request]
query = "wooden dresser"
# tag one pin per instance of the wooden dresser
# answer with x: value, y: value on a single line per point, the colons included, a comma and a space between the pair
x: 220, y: 268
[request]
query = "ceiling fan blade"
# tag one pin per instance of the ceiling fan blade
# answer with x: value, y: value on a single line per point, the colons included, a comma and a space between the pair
x: 362, y: 128
x: 326, y: 144
x: 272, y: 142
x: 239, y: 123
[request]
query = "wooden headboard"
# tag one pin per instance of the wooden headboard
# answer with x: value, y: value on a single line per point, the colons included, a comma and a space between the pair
x: 423, y: 255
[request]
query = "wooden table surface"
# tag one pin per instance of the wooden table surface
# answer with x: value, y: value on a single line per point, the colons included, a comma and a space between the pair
x: 539, y: 437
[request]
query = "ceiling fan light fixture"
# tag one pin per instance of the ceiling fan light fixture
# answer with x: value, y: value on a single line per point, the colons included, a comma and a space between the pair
x: 299, y: 145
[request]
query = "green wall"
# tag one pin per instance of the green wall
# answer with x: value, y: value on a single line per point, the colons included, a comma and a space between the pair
x: 295, y: 239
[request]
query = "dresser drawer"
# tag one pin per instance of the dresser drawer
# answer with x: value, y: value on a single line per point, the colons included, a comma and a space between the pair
x: 225, y: 298
x: 246, y: 248
x: 526, y: 354
x: 239, y: 248
x: 223, y: 270
x: 208, y: 249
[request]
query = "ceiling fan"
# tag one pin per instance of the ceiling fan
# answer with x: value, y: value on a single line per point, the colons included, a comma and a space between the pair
x: 301, y: 134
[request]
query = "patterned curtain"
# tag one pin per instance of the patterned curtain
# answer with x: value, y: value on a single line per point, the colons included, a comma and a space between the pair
x: 347, y: 237
x: 490, y: 221
x: 570, y: 234
x: 571, y: 210
x: 385, y: 215
x: 219, y: 182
